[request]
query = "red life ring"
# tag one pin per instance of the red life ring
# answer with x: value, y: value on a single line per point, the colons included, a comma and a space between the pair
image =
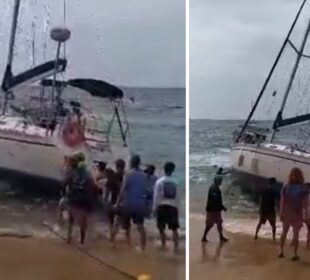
x: 74, y: 133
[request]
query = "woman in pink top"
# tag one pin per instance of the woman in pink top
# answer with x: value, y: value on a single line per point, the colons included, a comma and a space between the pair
x: 292, y: 208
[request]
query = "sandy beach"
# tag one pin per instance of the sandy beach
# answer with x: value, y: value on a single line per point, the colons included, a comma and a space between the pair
x: 33, y: 258
x: 242, y: 258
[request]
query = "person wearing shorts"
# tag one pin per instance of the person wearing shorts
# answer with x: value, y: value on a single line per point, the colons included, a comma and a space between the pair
x: 214, y: 210
x: 101, y: 177
x: 165, y: 205
x: 151, y: 179
x: 81, y: 189
x: 132, y: 197
x: 293, y: 205
x: 63, y: 201
x: 113, y: 188
x: 267, y: 208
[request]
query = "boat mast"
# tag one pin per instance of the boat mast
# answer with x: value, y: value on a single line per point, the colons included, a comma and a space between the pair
x: 8, y: 70
x: 271, y: 71
x: 292, y: 77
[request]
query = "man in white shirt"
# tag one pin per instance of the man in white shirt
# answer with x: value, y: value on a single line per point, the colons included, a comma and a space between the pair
x: 166, y: 203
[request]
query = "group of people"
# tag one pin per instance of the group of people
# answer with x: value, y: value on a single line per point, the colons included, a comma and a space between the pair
x: 294, y: 209
x: 128, y: 196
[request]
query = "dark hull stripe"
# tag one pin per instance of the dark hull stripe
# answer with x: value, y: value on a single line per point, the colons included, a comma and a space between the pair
x: 270, y: 154
x: 252, y: 183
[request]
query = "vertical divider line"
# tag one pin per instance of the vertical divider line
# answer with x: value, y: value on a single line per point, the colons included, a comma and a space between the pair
x: 187, y: 92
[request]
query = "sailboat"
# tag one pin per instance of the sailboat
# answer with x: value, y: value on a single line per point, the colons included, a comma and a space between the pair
x: 255, y: 155
x: 29, y: 152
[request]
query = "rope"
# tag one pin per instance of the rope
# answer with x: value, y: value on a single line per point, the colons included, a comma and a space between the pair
x: 127, y: 129
x: 47, y: 22
x: 33, y: 26
x: 85, y: 252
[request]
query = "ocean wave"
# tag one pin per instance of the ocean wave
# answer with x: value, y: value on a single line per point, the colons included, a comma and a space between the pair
x: 247, y: 226
x: 218, y: 157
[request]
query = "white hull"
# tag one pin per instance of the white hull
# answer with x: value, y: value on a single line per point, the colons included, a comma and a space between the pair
x: 269, y: 160
x: 31, y: 153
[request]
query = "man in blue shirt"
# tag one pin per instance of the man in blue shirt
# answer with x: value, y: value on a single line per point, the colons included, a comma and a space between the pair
x: 133, y: 200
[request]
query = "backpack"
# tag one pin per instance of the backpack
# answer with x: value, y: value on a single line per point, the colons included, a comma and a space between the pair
x: 78, y: 187
x: 169, y: 190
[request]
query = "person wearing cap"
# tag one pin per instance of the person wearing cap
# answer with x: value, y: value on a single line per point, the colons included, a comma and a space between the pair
x: 132, y: 197
x: 214, y: 210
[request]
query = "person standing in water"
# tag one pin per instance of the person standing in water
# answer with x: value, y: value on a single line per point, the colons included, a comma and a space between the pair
x: 293, y: 205
x: 166, y: 204
x: 81, y: 189
x: 114, y: 185
x: 100, y: 176
x: 151, y: 179
x: 267, y: 208
x: 132, y: 196
x: 214, y: 210
x: 221, y: 173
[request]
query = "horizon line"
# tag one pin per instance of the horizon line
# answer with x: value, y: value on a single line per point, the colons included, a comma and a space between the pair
x: 227, y: 119
x: 154, y: 87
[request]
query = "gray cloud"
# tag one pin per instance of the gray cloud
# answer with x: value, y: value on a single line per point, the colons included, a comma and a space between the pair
x: 232, y: 47
x: 134, y: 43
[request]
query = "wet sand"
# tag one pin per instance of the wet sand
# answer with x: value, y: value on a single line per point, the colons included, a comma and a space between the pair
x: 242, y: 258
x: 33, y: 258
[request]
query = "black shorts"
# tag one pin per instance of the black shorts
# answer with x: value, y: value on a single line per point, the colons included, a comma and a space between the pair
x: 265, y: 216
x: 113, y: 213
x: 167, y: 216
x: 135, y: 215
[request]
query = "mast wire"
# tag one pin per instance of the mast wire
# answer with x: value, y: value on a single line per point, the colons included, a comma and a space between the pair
x: 65, y: 22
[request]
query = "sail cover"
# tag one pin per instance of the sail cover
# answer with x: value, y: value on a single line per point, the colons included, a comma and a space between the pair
x: 97, y: 88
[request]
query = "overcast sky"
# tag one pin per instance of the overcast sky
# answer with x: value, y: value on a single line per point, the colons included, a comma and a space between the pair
x: 132, y: 43
x: 233, y: 44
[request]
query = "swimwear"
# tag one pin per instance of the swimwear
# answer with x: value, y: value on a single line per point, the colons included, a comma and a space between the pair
x: 214, y: 218
x: 167, y: 216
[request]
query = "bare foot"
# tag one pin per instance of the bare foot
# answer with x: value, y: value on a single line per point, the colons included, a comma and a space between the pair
x: 176, y: 250
x: 139, y: 250
x: 295, y: 258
